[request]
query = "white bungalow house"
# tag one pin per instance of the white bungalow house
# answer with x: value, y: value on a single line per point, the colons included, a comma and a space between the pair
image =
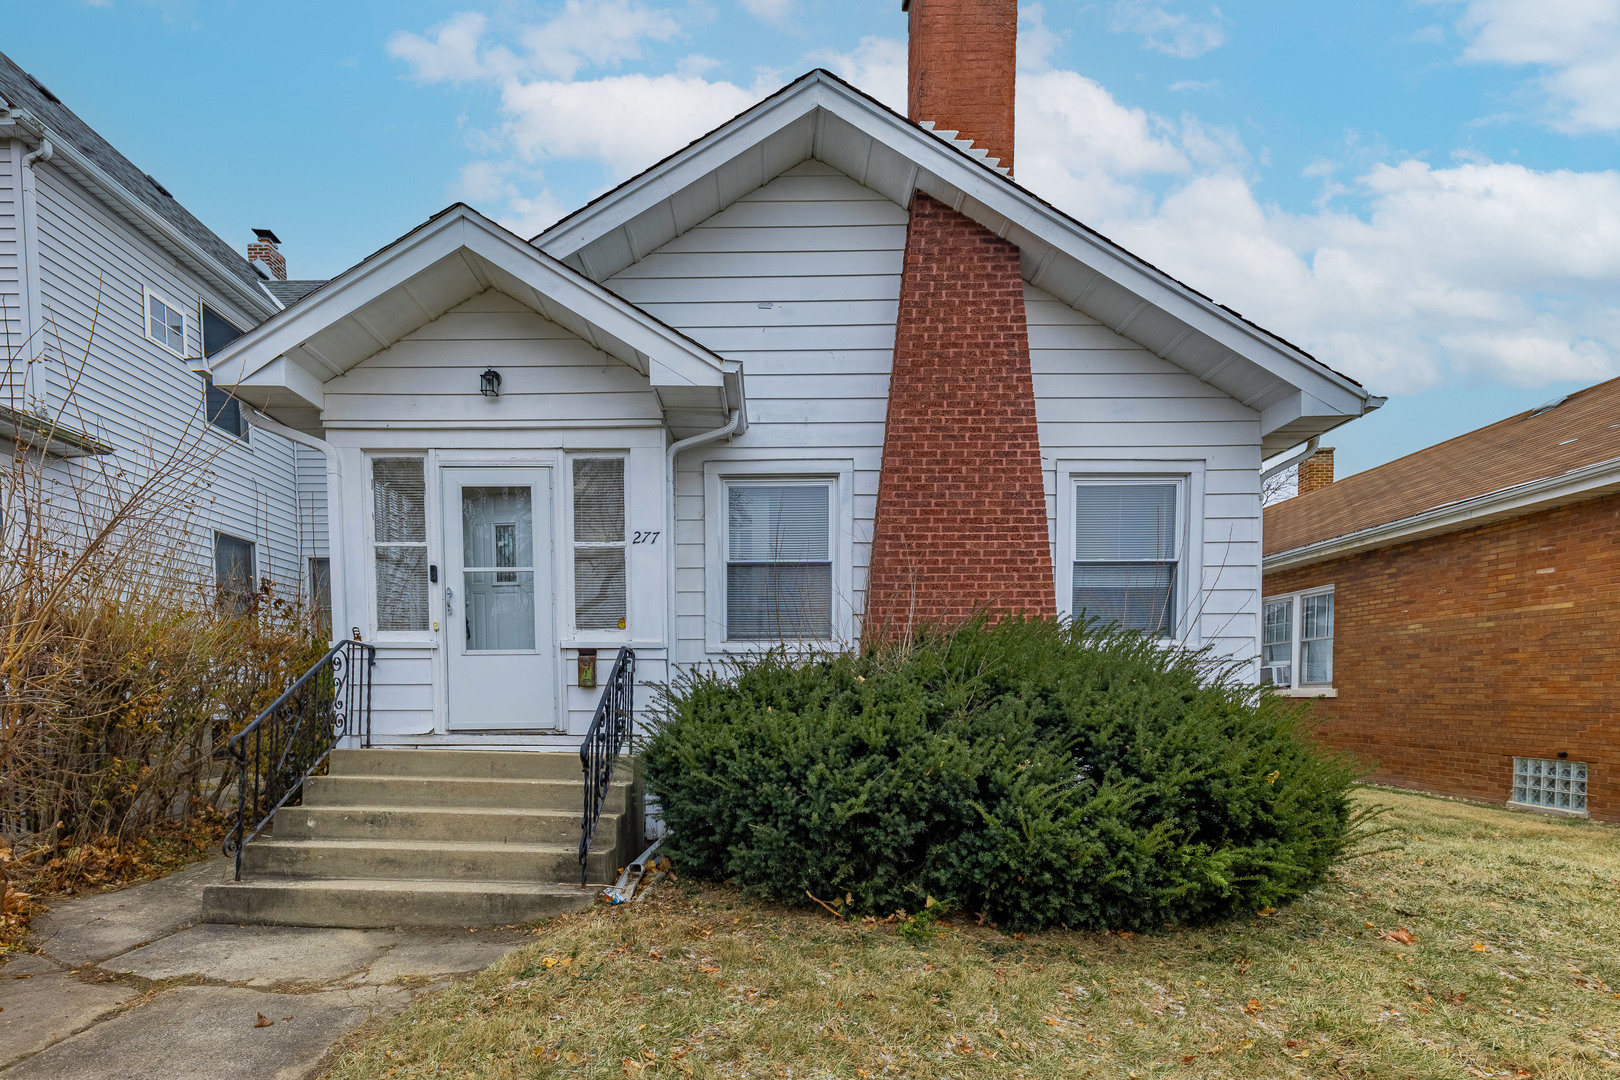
x: 669, y: 423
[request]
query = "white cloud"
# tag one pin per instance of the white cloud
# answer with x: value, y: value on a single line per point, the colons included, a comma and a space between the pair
x: 1576, y: 43
x: 1168, y: 32
x: 877, y: 65
x: 1194, y: 85
x: 773, y: 11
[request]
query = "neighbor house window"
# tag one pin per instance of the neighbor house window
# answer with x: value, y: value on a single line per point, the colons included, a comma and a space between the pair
x: 1296, y: 642
x: 779, y: 567
x: 1550, y: 783
x: 234, y: 572
x: 1126, y: 539
x: 165, y: 325
x: 224, y: 411
x: 399, y: 543
x: 320, y: 591
x: 599, y: 569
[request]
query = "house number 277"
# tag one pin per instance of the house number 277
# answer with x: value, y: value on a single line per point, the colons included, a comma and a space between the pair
x: 646, y: 537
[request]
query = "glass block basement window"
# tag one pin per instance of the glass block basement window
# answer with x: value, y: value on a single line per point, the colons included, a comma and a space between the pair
x: 1556, y: 785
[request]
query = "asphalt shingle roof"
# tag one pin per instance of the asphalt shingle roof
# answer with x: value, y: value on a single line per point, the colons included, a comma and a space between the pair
x: 290, y: 292
x: 20, y: 91
x: 1583, y: 429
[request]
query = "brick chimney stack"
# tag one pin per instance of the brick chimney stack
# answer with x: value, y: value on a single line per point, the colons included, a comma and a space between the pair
x: 266, y: 251
x: 962, y: 60
x: 961, y: 511
x: 1316, y: 471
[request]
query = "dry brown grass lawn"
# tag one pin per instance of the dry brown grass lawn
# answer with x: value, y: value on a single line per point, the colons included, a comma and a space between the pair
x: 1513, y: 970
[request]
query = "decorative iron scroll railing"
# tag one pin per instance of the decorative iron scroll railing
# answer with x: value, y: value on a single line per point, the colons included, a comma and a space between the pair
x: 608, y: 738
x: 292, y: 738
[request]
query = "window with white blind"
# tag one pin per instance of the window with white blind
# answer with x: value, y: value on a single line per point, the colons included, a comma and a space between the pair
x: 779, y: 560
x: 1127, y: 540
x: 399, y: 543
x: 599, y: 559
x: 1296, y: 644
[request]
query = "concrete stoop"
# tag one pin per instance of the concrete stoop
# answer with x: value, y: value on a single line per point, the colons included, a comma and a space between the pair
x: 431, y: 838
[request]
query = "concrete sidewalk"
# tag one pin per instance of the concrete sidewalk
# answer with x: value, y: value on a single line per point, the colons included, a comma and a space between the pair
x: 129, y: 986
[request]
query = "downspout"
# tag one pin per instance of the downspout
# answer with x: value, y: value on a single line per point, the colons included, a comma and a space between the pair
x: 1310, y: 448
x: 669, y: 501
x: 334, y: 492
x: 32, y: 322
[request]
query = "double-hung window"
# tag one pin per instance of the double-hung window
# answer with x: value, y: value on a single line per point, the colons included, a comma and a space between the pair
x: 1127, y: 544
x: 779, y: 560
x: 1296, y: 645
x: 599, y: 560
x: 234, y: 569
x: 399, y: 543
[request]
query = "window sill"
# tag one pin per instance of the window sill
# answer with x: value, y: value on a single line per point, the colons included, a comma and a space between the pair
x: 1306, y: 692
x: 1556, y: 811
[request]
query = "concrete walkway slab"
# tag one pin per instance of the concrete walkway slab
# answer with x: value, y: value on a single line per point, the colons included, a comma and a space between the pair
x: 263, y: 956
x: 95, y: 927
x: 207, y: 1032
x: 41, y: 1004
x: 423, y: 957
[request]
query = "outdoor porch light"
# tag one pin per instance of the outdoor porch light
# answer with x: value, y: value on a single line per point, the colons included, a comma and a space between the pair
x: 489, y: 383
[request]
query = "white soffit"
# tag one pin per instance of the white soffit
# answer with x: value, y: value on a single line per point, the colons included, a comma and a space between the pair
x: 282, y: 366
x: 821, y: 117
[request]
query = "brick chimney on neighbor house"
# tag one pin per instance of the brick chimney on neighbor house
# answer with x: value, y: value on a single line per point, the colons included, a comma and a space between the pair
x: 1316, y: 471
x: 265, y: 252
x: 961, y: 511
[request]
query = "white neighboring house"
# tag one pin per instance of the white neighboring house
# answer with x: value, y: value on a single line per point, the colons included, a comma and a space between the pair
x: 662, y: 422
x: 89, y: 240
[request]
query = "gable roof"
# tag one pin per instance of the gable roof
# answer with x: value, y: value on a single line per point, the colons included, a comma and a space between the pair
x: 1527, y: 462
x: 281, y: 366
x: 820, y: 116
x: 114, y: 177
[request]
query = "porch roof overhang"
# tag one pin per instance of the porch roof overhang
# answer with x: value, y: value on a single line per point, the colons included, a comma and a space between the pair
x: 822, y: 117
x: 282, y: 366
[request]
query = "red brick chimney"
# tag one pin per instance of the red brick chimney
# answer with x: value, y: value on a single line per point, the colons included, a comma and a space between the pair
x: 266, y: 250
x: 961, y: 513
x: 1316, y: 471
x: 961, y: 69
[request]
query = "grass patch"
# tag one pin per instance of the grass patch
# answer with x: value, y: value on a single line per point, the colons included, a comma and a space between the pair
x: 1513, y: 970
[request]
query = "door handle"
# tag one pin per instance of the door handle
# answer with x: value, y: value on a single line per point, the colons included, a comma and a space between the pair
x: 449, y: 600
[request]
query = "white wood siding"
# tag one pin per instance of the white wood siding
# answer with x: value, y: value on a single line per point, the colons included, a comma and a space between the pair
x: 559, y: 395
x: 800, y: 281
x: 1102, y: 397
x: 93, y: 271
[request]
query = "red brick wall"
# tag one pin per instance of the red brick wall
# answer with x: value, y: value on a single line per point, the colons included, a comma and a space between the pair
x: 270, y: 255
x: 961, y: 69
x: 1454, y: 654
x: 961, y: 512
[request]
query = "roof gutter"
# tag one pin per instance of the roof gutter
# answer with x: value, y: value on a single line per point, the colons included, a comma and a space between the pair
x: 258, y: 302
x: 1586, y: 482
x: 1310, y: 448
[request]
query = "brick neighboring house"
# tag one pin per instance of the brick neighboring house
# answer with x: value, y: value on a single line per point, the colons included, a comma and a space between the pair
x: 1456, y: 609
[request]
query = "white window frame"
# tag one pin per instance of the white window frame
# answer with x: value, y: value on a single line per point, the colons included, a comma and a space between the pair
x: 253, y: 558
x: 148, y: 295
x: 1186, y: 627
x: 576, y: 635
x: 429, y: 634
x: 1296, y: 626
x: 717, y: 478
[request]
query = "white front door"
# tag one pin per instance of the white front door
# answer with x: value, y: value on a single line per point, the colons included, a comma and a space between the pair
x: 502, y: 655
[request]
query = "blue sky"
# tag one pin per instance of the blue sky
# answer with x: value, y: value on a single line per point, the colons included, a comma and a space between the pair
x: 1422, y: 192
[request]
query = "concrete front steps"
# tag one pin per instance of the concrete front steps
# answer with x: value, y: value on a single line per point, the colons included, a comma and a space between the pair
x: 431, y: 838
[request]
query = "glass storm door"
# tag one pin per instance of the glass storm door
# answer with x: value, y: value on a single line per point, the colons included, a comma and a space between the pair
x: 498, y: 600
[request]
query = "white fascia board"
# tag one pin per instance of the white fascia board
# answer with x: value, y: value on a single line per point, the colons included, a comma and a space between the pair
x: 677, y: 360
x: 978, y: 183
x: 144, y: 218
x: 1586, y: 482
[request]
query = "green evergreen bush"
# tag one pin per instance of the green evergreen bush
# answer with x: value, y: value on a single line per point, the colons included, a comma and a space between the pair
x: 1039, y: 772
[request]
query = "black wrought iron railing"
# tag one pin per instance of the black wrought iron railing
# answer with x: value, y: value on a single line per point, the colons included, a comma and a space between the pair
x: 292, y: 738
x: 608, y: 738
